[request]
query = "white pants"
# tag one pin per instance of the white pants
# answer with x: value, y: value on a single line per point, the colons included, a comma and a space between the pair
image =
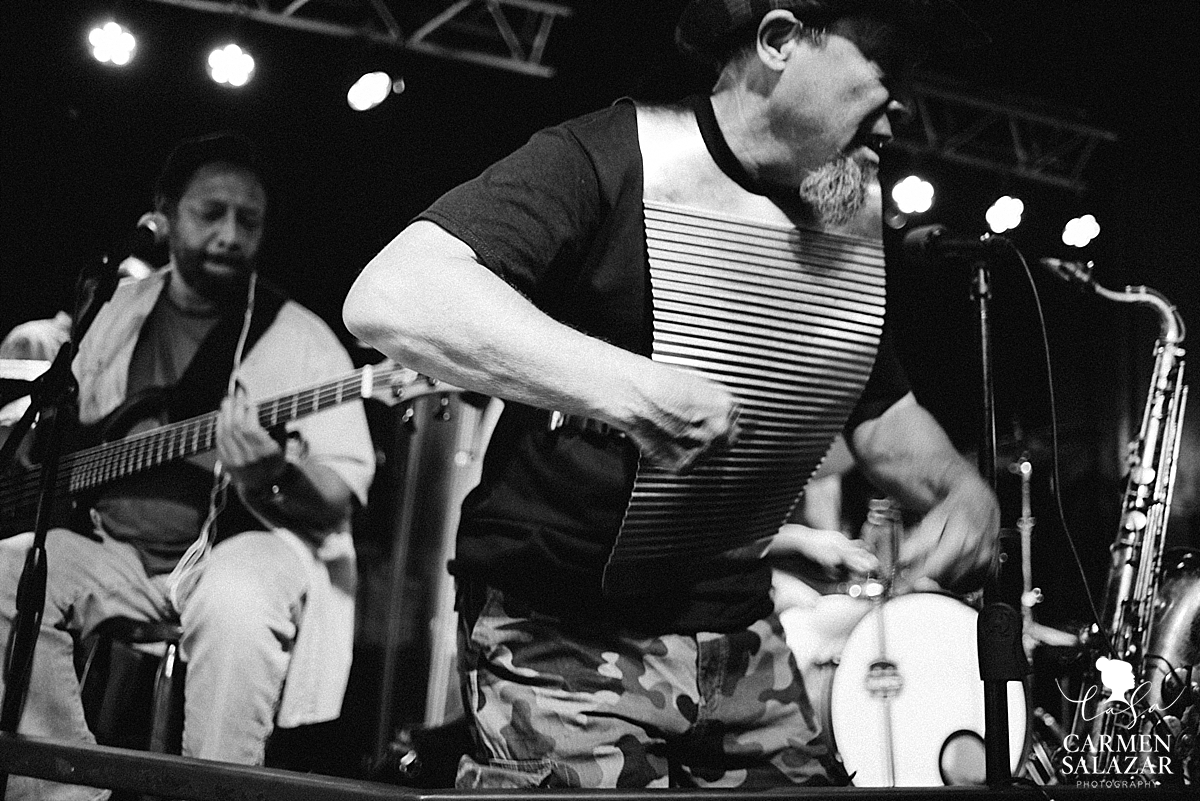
x: 239, y: 622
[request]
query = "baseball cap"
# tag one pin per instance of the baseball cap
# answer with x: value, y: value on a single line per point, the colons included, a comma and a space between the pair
x: 707, y: 27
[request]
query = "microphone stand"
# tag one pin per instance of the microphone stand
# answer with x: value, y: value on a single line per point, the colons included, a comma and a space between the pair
x: 1001, y: 654
x: 50, y: 400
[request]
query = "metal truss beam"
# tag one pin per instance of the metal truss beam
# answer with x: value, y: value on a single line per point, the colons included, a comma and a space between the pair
x: 1005, y: 138
x: 507, y: 34
x: 503, y: 34
x: 370, y: 20
x: 949, y: 123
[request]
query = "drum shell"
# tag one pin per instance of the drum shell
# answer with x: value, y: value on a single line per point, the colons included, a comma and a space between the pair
x: 931, y: 640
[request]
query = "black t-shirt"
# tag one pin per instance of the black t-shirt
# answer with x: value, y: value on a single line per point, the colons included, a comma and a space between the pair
x: 561, y: 220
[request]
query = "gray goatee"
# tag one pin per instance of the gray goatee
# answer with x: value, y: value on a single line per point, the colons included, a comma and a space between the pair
x: 837, y: 191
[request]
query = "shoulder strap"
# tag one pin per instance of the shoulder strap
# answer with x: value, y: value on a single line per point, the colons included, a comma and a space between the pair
x: 202, y: 385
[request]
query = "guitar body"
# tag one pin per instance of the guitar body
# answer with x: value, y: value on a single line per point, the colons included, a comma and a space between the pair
x: 143, y: 412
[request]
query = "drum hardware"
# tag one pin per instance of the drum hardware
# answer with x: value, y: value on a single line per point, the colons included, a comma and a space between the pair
x: 1046, y: 736
x: 899, y: 707
x: 1045, y: 748
x: 907, y: 689
x: 445, y: 434
x: 1034, y: 633
x: 1030, y: 595
x: 883, y: 680
x: 906, y: 702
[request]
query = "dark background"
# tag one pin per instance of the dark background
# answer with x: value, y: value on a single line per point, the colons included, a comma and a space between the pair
x: 82, y: 142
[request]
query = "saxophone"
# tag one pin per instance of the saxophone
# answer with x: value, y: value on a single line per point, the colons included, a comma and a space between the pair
x: 1138, y: 687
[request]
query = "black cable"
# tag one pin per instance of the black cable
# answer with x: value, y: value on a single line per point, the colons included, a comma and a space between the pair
x: 1056, y: 481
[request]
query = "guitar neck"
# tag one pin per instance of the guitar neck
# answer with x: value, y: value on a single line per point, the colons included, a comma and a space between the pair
x: 93, y: 467
x: 102, y: 464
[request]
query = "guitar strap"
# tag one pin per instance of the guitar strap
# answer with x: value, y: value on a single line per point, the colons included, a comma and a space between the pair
x: 205, y: 381
x: 203, y: 384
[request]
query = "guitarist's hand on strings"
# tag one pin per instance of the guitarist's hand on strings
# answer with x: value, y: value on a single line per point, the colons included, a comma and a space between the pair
x: 305, y: 496
x: 248, y: 453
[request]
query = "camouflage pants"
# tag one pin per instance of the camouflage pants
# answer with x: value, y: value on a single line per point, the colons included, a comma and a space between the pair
x: 554, y: 706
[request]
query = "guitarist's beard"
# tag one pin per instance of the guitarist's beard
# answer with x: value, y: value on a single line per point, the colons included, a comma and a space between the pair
x: 224, y: 285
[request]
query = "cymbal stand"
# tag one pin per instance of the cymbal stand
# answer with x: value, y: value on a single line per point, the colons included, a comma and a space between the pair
x: 1031, y: 596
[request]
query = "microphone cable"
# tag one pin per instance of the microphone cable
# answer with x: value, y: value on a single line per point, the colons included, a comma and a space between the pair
x: 1055, y: 479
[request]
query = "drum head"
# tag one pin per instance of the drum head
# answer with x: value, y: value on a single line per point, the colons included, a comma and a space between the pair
x: 907, y: 700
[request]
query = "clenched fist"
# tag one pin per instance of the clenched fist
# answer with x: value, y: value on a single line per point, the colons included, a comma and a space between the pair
x: 680, y: 417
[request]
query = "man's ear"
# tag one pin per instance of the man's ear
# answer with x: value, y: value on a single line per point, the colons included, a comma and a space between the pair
x: 164, y: 227
x: 777, y: 34
x: 163, y: 215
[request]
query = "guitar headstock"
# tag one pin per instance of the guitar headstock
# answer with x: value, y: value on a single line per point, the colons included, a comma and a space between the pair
x: 393, y: 383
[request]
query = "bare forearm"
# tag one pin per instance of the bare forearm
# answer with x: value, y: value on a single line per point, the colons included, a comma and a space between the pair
x: 906, y: 454
x: 426, y: 302
x: 461, y: 323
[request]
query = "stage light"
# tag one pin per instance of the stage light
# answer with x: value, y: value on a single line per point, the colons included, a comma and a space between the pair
x: 112, y: 44
x: 913, y: 195
x: 372, y: 89
x: 1005, y: 214
x: 1080, y: 231
x: 230, y: 64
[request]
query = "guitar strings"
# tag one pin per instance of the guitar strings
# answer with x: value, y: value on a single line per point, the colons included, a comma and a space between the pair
x: 94, y: 465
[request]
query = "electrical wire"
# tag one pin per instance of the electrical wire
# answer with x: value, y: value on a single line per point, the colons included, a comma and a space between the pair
x: 1056, y: 480
x: 186, y: 570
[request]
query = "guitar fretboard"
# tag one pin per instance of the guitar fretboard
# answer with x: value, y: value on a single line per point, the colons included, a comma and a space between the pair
x: 102, y: 464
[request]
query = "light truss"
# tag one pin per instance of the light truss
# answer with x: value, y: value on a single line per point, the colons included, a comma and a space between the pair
x: 504, y: 34
x: 370, y: 20
x: 949, y: 123
x: 508, y: 34
x: 1006, y: 138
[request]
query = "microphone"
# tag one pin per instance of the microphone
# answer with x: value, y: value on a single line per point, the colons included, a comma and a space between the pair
x: 936, y: 243
x: 151, y: 231
x: 1073, y: 272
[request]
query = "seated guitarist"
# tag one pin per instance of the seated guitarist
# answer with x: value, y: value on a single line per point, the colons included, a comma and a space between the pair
x: 267, y: 615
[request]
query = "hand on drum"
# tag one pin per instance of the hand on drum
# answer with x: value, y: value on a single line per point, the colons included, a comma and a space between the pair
x: 833, y: 552
x: 954, y: 545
